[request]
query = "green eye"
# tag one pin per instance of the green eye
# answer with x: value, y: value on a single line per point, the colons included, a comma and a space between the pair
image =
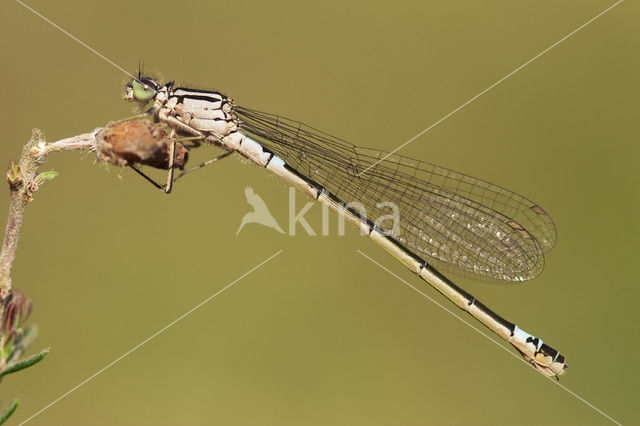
x: 142, y: 92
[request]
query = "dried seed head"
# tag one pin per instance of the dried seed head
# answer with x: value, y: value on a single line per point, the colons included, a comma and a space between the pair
x: 28, y: 305
x: 9, y: 318
x: 139, y: 142
x: 16, y: 310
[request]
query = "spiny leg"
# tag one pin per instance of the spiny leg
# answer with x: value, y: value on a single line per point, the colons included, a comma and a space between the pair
x: 206, y: 163
x: 147, y: 178
x: 171, y: 166
x: 171, y: 169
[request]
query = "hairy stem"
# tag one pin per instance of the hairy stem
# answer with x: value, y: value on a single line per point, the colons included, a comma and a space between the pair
x: 23, y: 181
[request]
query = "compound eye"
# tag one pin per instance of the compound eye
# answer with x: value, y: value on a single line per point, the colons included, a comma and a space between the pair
x: 142, y: 92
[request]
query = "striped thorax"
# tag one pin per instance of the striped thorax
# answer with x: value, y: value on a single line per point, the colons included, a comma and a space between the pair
x: 198, y: 113
x: 195, y: 112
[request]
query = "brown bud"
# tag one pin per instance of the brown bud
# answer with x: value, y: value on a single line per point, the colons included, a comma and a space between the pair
x: 8, y: 319
x: 28, y: 305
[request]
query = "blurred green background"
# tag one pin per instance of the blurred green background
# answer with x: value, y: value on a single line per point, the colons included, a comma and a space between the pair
x: 320, y: 335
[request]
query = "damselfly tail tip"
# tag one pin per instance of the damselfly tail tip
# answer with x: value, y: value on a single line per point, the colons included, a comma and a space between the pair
x: 548, y: 364
x: 543, y: 357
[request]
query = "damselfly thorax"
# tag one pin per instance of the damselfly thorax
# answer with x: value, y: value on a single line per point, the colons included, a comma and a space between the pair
x: 195, y: 112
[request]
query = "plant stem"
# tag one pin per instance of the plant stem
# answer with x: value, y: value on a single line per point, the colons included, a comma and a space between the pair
x: 23, y: 182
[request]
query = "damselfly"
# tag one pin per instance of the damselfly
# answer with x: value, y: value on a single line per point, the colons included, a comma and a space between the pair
x: 462, y: 221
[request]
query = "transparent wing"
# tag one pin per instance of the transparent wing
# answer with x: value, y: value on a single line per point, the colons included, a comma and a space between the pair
x: 465, y: 222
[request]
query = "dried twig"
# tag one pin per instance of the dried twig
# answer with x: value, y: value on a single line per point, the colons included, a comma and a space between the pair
x: 124, y: 144
x: 24, y: 180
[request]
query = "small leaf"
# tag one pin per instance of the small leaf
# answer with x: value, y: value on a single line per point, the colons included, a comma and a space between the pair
x: 14, y: 175
x: 50, y: 175
x: 4, y: 416
x: 24, y: 363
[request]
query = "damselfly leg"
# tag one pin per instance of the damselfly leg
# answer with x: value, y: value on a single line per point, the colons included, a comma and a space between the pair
x: 160, y: 116
x: 172, y: 162
x: 206, y: 163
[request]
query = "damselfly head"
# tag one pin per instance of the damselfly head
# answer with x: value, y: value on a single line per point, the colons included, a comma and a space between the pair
x: 141, y: 89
